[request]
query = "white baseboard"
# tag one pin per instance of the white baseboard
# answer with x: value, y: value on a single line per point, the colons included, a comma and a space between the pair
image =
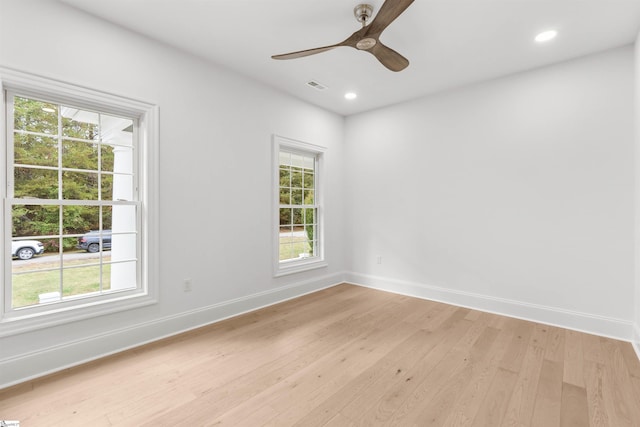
x: 583, y: 322
x: 636, y: 339
x: 46, y: 361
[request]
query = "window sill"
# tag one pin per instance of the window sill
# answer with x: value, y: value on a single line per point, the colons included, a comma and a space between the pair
x: 14, y: 325
x: 292, y: 267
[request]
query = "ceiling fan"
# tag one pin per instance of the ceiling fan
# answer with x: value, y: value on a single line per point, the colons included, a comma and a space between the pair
x: 368, y: 37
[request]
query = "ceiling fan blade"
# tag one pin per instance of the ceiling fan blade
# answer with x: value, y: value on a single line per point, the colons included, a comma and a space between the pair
x: 389, y: 57
x: 388, y: 12
x: 302, y: 53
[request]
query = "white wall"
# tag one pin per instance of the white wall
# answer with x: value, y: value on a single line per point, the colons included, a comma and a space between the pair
x: 215, y: 171
x: 514, y: 195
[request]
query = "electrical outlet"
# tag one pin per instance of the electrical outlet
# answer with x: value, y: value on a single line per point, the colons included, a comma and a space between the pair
x: 379, y: 259
x: 186, y: 286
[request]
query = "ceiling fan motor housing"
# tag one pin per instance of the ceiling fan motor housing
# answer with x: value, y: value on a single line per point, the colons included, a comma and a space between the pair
x: 363, y: 13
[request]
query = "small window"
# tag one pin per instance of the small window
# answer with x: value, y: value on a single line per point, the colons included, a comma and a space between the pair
x: 298, y: 184
x: 74, y: 194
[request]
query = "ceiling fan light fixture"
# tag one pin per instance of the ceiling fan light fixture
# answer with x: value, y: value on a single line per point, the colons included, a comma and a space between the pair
x: 350, y: 96
x: 546, y: 36
x: 366, y: 44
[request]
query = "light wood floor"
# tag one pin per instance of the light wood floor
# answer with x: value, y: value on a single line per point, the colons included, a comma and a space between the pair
x: 348, y: 356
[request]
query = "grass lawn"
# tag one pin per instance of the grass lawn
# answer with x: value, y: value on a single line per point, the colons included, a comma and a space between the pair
x: 29, y: 284
x: 292, y: 247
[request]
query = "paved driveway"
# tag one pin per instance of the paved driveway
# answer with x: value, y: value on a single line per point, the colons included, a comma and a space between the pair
x: 51, y: 257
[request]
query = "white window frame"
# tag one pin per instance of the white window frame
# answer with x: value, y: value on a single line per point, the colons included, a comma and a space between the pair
x: 282, y: 268
x: 15, y: 321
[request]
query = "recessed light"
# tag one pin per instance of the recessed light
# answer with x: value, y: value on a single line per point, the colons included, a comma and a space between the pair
x: 350, y: 95
x: 48, y: 109
x: 546, y: 36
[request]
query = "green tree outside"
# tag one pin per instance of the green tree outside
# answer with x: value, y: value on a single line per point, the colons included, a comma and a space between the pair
x: 60, y: 141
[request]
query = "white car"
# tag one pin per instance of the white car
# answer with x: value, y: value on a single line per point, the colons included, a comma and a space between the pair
x: 26, y: 249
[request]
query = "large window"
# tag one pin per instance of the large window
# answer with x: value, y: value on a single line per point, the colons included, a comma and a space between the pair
x: 76, y: 202
x: 299, y: 227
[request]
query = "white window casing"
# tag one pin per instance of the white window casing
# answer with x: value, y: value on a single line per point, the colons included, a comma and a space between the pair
x: 310, y: 208
x: 142, y: 226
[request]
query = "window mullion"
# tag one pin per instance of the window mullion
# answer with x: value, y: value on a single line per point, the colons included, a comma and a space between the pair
x: 101, y: 208
x: 61, y: 209
x: 7, y: 292
x: 60, y: 154
x: 10, y: 145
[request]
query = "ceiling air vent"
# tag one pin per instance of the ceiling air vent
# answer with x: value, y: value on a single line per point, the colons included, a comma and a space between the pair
x: 316, y: 85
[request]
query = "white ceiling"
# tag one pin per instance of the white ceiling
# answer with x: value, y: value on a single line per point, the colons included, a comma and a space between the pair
x: 449, y: 43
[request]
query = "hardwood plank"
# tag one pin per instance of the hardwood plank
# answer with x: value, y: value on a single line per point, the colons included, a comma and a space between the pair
x: 619, y: 386
x: 339, y: 421
x: 592, y: 348
x: 372, y: 407
x: 436, y: 410
x: 555, y: 344
x: 473, y: 315
x: 498, y: 322
x: 495, y: 403
x: 548, y: 397
x: 521, y: 403
x: 573, y: 371
x: 630, y: 357
x: 386, y: 369
x: 429, y: 313
x: 574, y: 406
x: 443, y: 319
x: 514, y: 355
x: 402, y: 401
x: 540, y: 337
x: 367, y: 385
x: 595, y: 385
x: 635, y: 383
x: 471, y: 399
